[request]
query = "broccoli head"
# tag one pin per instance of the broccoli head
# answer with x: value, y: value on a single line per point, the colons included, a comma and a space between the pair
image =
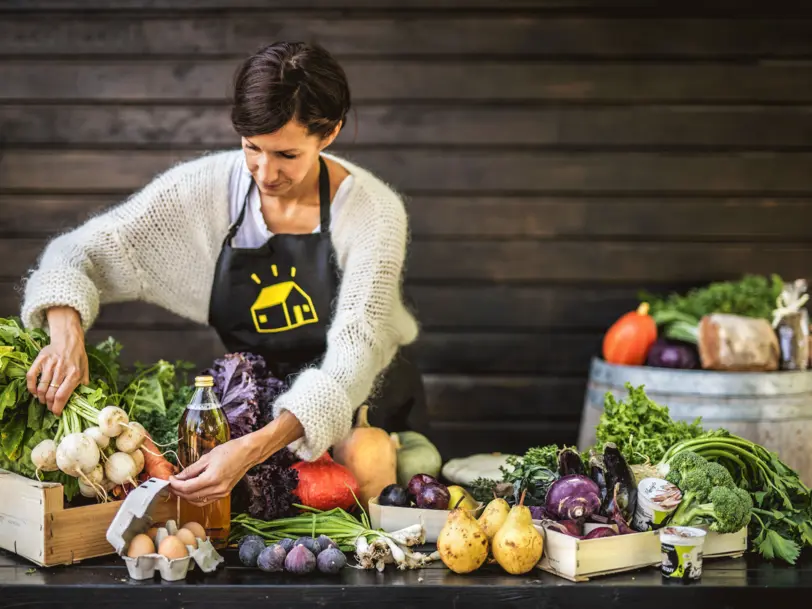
x: 727, y: 511
x: 682, y: 462
x: 719, y: 475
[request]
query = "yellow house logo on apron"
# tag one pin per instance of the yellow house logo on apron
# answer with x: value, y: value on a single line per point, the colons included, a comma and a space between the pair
x: 282, y: 306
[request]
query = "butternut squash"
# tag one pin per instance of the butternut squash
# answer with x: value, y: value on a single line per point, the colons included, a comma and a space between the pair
x: 370, y: 455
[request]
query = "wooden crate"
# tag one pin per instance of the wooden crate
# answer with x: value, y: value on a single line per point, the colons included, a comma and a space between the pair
x: 35, y: 524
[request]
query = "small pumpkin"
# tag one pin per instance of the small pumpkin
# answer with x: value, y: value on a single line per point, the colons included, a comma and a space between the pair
x: 416, y: 455
x: 629, y: 339
x: 324, y: 484
x: 370, y: 454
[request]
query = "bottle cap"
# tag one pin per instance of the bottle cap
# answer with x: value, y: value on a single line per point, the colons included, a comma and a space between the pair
x: 204, y: 381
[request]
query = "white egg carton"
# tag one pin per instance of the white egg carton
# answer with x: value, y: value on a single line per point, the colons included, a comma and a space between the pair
x: 133, y: 518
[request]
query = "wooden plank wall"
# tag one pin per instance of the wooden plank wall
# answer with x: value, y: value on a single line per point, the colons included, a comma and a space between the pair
x: 557, y: 155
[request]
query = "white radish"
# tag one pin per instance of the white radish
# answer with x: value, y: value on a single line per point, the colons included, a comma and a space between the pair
x: 44, y: 456
x: 112, y: 420
x: 86, y: 490
x: 131, y: 438
x: 138, y: 458
x: 96, y: 475
x: 120, y: 468
x: 77, y: 455
x: 107, y: 485
x: 98, y: 437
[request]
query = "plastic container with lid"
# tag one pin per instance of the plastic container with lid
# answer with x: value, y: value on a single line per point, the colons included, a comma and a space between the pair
x: 133, y: 518
x: 682, y: 551
x: 656, y: 501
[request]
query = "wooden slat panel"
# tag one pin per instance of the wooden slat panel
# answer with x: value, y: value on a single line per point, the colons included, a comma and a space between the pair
x: 658, y: 127
x: 507, y: 216
x: 464, y: 439
x: 426, y: 34
x: 464, y: 170
x: 526, y: 353
x: 495, y: 398
x: 539, y: 308
x: 384, y: 80
x: 552, y: 261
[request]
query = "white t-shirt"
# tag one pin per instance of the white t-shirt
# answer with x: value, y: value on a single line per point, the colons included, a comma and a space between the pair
x: 254, y: 232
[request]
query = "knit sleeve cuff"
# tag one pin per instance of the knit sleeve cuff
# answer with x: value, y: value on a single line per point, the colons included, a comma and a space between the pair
x: 59, y: 288
x: 323, y: 409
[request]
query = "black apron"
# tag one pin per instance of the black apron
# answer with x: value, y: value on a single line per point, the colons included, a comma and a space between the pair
x: 277, y: 301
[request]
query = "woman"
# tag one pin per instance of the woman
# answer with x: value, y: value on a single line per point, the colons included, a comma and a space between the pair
x: 287, y: 252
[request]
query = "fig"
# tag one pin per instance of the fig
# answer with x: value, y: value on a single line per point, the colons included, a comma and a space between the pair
x: 287, y: 543
x: 248, y: 538
x: 331, y: 561
x: 272, y: 559
x: 310, y: 543
x: 250, y: 551
x: 300, y: 560
x: 325, y: 542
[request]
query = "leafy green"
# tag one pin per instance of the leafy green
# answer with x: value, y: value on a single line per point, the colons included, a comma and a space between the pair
x: 642, y: 429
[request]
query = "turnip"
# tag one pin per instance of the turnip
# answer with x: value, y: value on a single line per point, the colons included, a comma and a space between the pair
x: 77, y: 455
x: 112, y: 421
x: 98, y: 437
x: 44, y: 456
x: 86, y: 490
x: 131, y: 438
x: 96, y: 475
x: 138, y: 459
x: 120, y: 468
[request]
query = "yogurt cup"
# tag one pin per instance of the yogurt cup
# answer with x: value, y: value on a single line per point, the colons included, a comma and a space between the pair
x: 656, y: 500
x: 682, y: 553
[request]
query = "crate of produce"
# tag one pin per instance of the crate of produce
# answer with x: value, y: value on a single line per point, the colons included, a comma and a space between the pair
x: 579, y: 560
x: 727, y: 545
x: 36, y: 524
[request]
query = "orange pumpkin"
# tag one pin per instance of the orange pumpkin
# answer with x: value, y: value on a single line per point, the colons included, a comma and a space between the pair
x: 628, y: 340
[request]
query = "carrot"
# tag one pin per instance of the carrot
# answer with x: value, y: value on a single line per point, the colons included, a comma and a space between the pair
x: 155, y: 465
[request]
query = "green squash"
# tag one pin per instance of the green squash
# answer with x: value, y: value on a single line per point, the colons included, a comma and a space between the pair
x: 416, y: 455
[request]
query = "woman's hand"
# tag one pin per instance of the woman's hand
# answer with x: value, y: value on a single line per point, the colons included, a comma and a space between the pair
x: 62, y: 365
x: 216, y: 473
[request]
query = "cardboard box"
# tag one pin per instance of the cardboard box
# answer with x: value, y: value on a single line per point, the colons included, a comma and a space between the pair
x: 35, y: 524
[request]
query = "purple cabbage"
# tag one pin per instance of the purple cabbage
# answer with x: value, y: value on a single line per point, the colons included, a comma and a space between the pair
x: 266, y: 491
x: 573, y: 498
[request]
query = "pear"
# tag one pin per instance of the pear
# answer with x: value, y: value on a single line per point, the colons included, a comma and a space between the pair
x: 517, y: 545
x: 462, y: 543
x: 461, y: 498
x: 494, y: 516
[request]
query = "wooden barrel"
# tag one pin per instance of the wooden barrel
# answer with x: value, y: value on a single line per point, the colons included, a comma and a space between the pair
x: 773, y: 409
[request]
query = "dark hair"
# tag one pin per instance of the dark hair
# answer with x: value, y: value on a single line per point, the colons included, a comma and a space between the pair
x: 290, y: 80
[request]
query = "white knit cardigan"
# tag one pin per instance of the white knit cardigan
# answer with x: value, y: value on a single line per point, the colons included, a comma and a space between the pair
x: 161, y: 246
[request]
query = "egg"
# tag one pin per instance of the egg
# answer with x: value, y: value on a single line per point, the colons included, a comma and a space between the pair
x: 141, y: 544
x: 187, y: 537
x: 197, y: 529
x: 153, y: 531
x: 173, y: 548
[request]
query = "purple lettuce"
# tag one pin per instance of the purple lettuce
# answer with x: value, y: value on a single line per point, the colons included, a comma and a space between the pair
x: 247, y: 391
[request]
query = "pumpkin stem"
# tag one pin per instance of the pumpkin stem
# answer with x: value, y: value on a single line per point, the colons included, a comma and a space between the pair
x: 643, y: 308
x: 363, y: 420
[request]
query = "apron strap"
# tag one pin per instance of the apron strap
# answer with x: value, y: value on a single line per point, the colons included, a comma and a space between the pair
x: 324, y: 195
x: 324, y: 203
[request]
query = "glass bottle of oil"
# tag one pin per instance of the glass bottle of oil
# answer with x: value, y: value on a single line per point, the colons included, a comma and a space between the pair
x: 202, y: 427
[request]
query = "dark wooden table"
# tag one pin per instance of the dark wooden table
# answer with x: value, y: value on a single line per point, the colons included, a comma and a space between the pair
x: 739, y: 583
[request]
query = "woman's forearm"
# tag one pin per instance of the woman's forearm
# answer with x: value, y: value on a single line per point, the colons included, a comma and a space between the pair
x: 64, y: 319
x: 275, y: 436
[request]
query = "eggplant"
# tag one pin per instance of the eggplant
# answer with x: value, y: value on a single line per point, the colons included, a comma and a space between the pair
x: 573, y: 498
x: 669, y: 353
x: 569, y: 463
x: 620, y: 484
x: 597, y: 471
